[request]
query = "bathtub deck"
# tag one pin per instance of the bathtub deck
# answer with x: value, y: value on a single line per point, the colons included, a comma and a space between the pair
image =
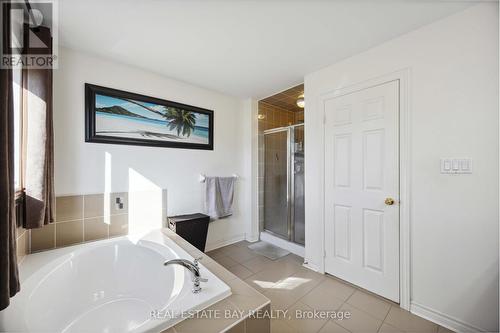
x: 234, y: 310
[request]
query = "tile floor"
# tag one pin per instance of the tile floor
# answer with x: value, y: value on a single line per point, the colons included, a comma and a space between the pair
x: 292, y: 287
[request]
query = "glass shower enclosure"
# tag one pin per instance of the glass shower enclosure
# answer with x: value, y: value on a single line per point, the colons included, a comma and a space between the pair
x: 284, y: 182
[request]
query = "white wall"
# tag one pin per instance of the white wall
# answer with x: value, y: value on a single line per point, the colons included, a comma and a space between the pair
x: 454, y: 113
x: 80, y: 166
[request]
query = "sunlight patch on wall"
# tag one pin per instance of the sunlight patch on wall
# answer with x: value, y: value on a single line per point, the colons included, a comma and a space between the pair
x: 107, y: 187
x: 147, y: 204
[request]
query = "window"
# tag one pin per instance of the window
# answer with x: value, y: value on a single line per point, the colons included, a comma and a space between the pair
x: 17, y: 84
x: 18, y: 107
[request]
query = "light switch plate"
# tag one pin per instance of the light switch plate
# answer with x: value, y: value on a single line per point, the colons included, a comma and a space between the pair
x: 456, y: 165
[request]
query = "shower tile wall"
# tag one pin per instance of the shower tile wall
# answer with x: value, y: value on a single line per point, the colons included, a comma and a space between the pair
x: 273, y: 117
x: 299, y: 117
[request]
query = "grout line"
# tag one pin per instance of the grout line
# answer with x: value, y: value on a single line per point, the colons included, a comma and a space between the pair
x: 383, y: 321
x: 350, y: 296
x: 19, y: 262
x: 83, y: 219
x: 324, y: 324
x: 88, y: 218
x: 65, y: 221
x: 22, y: 233
x: 368, y: 314
x: 54, y: 237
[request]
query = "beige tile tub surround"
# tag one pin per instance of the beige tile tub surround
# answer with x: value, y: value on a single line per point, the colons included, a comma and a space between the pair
x: 95, y: 228
x: 82, y: 218
x: 118, y: 225
x: 69, y: 233
x: 244, y: 298
x: 292, y: 287
x: 22, y: 243
x: 69, y: 208
x: 43, y: 238
x: 93, y: 205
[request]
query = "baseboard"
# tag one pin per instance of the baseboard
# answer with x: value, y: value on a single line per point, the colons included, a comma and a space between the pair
x: 442, y: 319
x: 226, y: 242
x: 312, y: 267
x: 289, y: 246
x: 252, y: 238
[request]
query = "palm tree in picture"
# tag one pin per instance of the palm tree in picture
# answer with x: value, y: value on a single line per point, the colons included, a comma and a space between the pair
x: 181, y: 120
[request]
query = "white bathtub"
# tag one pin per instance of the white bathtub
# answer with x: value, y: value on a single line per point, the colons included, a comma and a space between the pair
x: 108, y: 286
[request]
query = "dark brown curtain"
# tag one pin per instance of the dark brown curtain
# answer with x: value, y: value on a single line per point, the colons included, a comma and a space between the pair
x: 38, y: 136
x: 9, y: 278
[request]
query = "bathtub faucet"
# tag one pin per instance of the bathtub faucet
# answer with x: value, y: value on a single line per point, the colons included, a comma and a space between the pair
x: 193, y: 268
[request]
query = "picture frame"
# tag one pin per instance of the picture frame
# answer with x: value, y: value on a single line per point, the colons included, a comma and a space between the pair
x: 115, y: 116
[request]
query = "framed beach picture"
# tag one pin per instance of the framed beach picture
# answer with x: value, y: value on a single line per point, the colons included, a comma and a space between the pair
x: 120, y: 117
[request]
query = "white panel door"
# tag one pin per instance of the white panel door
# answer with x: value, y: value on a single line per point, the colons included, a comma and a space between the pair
x: 361, y: 173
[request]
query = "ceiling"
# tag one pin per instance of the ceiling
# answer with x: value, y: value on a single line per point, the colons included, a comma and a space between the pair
x: 242, y: 48
x: 287, y: 99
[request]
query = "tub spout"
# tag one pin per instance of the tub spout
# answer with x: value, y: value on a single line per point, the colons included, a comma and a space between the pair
x: 193, y: 268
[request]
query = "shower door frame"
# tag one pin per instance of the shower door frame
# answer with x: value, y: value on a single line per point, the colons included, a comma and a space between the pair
x: 290, y: 182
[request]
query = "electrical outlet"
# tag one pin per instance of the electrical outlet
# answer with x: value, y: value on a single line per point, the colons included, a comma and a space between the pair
x: 119, y: 203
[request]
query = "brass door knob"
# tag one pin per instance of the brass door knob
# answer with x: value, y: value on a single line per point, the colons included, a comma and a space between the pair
x: 389, y: 201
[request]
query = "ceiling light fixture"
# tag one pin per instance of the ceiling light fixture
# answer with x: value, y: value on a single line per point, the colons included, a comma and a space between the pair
x: 261, y: 116
x: 300, y: 101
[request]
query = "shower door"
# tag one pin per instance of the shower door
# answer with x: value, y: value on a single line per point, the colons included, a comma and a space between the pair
x: 297, y: 176
x: 284, y: 183
x: 276, y: 185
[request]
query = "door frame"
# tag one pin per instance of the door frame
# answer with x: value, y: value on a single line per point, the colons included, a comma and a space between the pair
x: 403, y: 76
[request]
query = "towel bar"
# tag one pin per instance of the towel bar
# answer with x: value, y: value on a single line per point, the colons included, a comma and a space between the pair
x: 203, y: 177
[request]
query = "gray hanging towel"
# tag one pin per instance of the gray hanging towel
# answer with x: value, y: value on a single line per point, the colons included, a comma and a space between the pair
x: 219, y: 196
x: 226, y: 187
